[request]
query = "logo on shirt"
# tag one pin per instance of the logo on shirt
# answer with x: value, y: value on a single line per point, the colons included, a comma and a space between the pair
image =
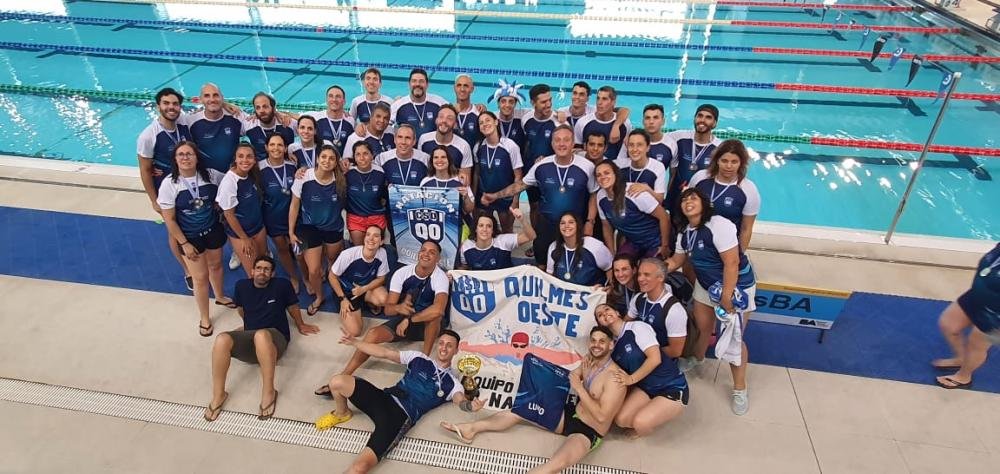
x: 548, y: 133
x: 728, y: 201
x: 701, y: 244
x: 430, y: 115
x: 271, y: 301
x: 227, y: 131
x: 473, y: 298
x: 570, y: 181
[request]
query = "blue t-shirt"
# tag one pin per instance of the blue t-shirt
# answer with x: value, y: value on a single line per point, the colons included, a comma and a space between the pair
x: 419, y: 116
x: 591, y: 124
x: 407, y: 172
x: 629, y: 354
x: 194, y: 202
x: 562, y: 188
x: 421, y: 290
x: 366, y: 191
x: 494, y: 257
x: 732, y: 201
x: 688, y: 158
x: 665, y: 324
x: 585, y: 266
x: 703, y: 246
x: 277, y: 183
x: 459, y: 151
x: 353, y: 270
x: 467, y: 126
x: 496, y: 165
x: 538, y: 138
x: 217, y: 140
x: 514, y: 131
x: 258, y: 136
x: 158, y: 144
x: 333, y: 131
x: 361, y: 109
x: 421, y: 383
x: 321, y: 204
x: 267, y: 307
x: 243, y: 195
x: 635, y: 221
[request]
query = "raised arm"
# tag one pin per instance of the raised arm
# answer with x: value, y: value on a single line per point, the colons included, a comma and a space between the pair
x: 374, y: 350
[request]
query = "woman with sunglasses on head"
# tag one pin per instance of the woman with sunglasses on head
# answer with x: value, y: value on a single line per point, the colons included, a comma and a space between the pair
x: 576, y: 258
x: 315, y: 220
x: 731, y: 193
x: 487, y: 249
x: 277, y: 173
x: 187, y: 198
x: 239, y: 197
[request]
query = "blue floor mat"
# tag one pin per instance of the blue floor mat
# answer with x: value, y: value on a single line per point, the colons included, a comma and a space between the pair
x: 877, y: 336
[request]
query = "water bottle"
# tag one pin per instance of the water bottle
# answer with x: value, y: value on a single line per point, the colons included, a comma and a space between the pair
x: 722, y: 315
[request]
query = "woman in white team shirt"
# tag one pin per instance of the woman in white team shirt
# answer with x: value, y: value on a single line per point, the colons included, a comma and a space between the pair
x: 731, y: 193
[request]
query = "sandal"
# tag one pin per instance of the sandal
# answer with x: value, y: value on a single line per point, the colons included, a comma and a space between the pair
x: 457, y: 432
x: 331, y: 419
x: 206, y: 331
x: 953, y: 384
x: 269, y: 408
x: 230, y: 304
x: 313, y: 309
x: 323, y: 391
x: 212, y: 413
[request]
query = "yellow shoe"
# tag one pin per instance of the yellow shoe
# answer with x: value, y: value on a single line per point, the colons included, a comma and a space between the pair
x: 330, y: 420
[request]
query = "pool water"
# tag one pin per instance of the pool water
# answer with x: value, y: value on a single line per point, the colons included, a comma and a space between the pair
x: 856, y: 188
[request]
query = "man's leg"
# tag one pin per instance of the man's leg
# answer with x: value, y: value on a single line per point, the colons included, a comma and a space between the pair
x: 375, y: 335
x: 431, y: 331
x: 953, y: 323
x: 221, y: 350
x: 975, y: 355
x: 501, y: 421
x: 267, y: 357
x: 342, y: 387
x: 365, y: 461
x: 571, y: 452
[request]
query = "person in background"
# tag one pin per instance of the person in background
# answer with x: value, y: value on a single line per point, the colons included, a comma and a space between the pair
x: 444, y: 174
x: 498, y: 165
x: 404, y: 165
x: 649, y: 175
x: 377, y: 135
x: 263, y: 124
x: 606, y: 119
x: 578, y: 107
x: 458, y: 149
x: 214, y: 129
x: 305, y: 150
x: 363, y: 105
x: 642, y: 224
x: 623, y: 283
x: 690, y: 151
x: 334, y: 125
x: 467, y: 119
x: 419, y: 108
x: 366, y: 194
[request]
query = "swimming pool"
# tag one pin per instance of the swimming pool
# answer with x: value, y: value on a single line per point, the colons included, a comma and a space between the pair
x: 733, y: 66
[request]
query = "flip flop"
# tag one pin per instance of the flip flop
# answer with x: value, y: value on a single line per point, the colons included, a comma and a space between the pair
x: 215, y: 411
x: 457, y: 432
x: 323, y: 391
x: 272, y: 407
x: 229, y: 304
x: 206, y: 331
x: 957, y: 385
x: 312, y: 310
x: 331, y: 419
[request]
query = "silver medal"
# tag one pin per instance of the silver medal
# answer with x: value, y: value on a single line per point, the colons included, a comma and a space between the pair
x: 567, y: 275
x: 285, y: 191
x: 197, y: 203
x: 440, y: 393
x: 693, y: 166
x: 562, y: 189
x: 985, y: 272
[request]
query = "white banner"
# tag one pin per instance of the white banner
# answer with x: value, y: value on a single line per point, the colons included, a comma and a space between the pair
x: 504, y: 314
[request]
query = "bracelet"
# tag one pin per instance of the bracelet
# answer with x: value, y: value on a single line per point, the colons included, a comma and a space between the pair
x: 466, y: 405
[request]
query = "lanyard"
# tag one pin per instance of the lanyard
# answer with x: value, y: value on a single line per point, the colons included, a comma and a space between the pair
x: 194, y: 190
x: 690, y: 235
x: 635, y: 179
x: 986, y: 271
x: 438, y: 373
x: 461, y: 122
x: 562, y: 178
x: 645, y: 313
x: 283, y: 177
x: 420, y: 113
x: 713, y: 196
x: 340, y: 127
x: 309, y: 157
x: 174, y: 136
x: 409, y: 164
x: 489, y: 158
x: 696, y: 158
x: 510, y: 128
x: 568, y: 256
x: 628, y: 294
x: 594, y: 374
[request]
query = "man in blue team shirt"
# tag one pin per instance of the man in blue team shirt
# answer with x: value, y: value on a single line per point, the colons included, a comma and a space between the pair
x: 565, y: 183
x: 266, y: 124
x: 418, y: 295
x: 428, y: 383
x: 691, y: 151
x: 419, y: 108
x: 262, y: 302
x: 467, y: 121
x: 607, y: 119
x: 652, y: 123
x: 155, y: 151
x: 578, y: 103
x: 216, y: 132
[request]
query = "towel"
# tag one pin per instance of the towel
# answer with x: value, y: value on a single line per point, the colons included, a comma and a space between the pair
x: 729, y: 344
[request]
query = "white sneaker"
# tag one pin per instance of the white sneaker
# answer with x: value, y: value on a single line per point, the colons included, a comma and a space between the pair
x: 741, y: 402
x: 686, y: 364
x: 234, y: 261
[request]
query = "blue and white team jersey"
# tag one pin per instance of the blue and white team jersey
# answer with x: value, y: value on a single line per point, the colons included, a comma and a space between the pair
x: 493, y: 257
x: 277, y: 183
x: 366, y: 191
x: 353, y: 270
x: 467, y: 125
x: 305, y: 157
x: 629, y: 354
x: 732, y: 201
x: 459, y: 151
x: 584, y: 266
x: 408, y: 172
x: 334, y: 131
x: 635, y: 221
x: 703, y: 246
x: 321, y: 205
x: 217, y: 140
x: 193, y: 199
x: 241, y: 193
x: 257, y: 134
x: 420, y: 116
x: 361, y: 109
x: 688, y: 157
x: 496, y: 165
x: 562, y: 188
x: 538, y: 136
x: 658, y: 150
x: 157, y: 143
x: 590, y: 123
x: 433, y: 182
x: 422, y: 382
x: 378, y: 144
x: 512, y: 129
x: 653, y: 174
x: 589, y: 109
x: 421, y: 290
x: 651, y: 313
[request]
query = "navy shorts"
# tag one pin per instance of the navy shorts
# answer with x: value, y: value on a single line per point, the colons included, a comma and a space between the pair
x: 211, y: 239
x: 313, y: 237
x: 677, y: 394
x: 414, y: 332
x: 985, y: 318
x: 391, y: 421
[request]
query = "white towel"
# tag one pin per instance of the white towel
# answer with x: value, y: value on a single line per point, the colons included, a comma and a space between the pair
x: 729, y: 345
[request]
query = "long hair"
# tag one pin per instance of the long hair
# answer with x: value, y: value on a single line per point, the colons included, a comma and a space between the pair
x: 735, y: 147
x: 315, y: 127
x: 706, y: 207
x: 617, y: 289
x: 338, y: 174
x: 452, y: 170
x: 560, y: 249
x: 617, y: 194
x: 200, y: 168
x: 254, y: 173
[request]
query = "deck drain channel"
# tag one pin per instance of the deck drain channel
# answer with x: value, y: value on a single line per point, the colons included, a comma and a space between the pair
x: 411, y: 450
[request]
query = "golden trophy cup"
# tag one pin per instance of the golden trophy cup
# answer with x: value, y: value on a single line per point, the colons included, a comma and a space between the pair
x: 469, y: 366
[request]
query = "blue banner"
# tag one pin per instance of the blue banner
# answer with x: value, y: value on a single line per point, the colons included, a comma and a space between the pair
x: 421, y: 214
x: 542, y: 392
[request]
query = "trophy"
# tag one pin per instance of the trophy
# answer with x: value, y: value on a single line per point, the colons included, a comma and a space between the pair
x: 469, y: 366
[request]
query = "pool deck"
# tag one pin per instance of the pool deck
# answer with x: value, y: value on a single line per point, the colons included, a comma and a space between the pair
x: 144, y: 344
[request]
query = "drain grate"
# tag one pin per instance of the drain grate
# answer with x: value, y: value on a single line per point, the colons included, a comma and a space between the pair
x: 411, y: 450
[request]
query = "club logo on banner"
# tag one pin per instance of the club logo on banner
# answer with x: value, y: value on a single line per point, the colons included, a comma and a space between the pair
x: 503, y: 315
x: 422, y: 214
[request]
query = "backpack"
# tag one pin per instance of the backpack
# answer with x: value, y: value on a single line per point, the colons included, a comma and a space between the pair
x: 681, y: 288
x: 692, y: 329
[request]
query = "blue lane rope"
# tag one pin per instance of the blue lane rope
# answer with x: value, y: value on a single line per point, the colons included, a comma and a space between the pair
x: 367, y: 31
x: 382, y: 65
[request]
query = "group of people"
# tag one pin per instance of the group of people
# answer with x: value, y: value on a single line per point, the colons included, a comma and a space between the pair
x: 610, y: 206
